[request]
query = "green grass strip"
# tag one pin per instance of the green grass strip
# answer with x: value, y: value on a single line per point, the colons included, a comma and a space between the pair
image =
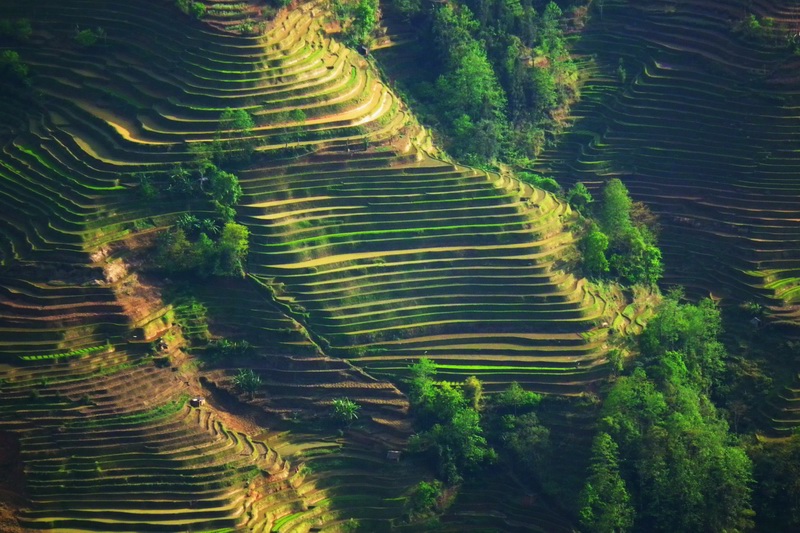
x: 73, y: 353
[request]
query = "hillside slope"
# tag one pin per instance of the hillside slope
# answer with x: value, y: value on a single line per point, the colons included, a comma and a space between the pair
x: 363, y: 247
x: 697, y: 115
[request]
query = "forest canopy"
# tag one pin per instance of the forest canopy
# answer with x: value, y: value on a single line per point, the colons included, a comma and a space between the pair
x: 504, y: 75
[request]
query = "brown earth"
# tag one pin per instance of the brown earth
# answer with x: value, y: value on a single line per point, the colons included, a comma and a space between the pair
x: 12, y: 482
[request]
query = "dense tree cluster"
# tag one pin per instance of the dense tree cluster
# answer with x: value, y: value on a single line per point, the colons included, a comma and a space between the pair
x: 203, y: 255
x: 451, y: 426
x: 605, y: 501
x: 213, y: 245
x: 620, y: 238
x: 505, y: 72
x: 682, y: 469
x: 776, y: 468
x: 18, y: 29
x: 358, y: 19
x: 461, y: 431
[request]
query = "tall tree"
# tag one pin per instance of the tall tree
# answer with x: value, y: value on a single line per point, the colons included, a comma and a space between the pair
x: 594, y: 247
x: 692, y: 330
x: 615, y: 211
x: 605, y: 505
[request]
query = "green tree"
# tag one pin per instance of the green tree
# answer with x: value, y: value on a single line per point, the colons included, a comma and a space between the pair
x: 632, y: 256
x: 180, y: 182
x: 594, y: 247
x: 20, y: 29
x: 473, y: 392
x: 188, y: 7
x: 685, y: 471
x: 238, y: 120
x: 409, y: 9
x: 197, y: 10
x: 527, y: 441
x: 10, y: 63
x: 233, y: 248
x: 448, y: 400
x: 645, y: 221
x: 188, y: 223
x: 423, y: 499
x: 234, y: 133
x: 514, y: 398
x: 777, y: 492
x: 691, y: 330
x: 605, y: 505
x: 468, y: 90
x: 421, y: 383
x: 459, y: 445
x: 615, y: 210
x: 358, y: 19
x: 633, y: 260
x: 209, y: 227
x: 221, y: 351
x: 453, y: 433
x: 365, y: 18
x: 175, y: 253
x: 146, y: 188
x: 225, y: 188
x: 345, y: 410
x: 579, y: 198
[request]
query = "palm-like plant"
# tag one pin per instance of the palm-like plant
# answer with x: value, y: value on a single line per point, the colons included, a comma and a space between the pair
x: 345, y: 410
x: 209, y: 227
x: 247, y: 381
x: 188, y: 223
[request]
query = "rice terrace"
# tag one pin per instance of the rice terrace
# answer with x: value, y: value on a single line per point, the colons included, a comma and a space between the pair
x: 400, y: 265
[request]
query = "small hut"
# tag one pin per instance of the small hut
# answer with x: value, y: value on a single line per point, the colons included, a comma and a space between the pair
x: 197, y: 401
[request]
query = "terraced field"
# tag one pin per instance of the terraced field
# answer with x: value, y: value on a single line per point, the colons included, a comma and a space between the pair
x: 367, y: 253
x: 702, y: 126
x: 699, y: 121
x: 389, y: 258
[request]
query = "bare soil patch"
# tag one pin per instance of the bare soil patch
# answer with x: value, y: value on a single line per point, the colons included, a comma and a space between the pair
x: 12, y: 483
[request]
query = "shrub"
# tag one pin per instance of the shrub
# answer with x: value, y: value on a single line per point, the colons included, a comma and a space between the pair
x: 195, y: 9
x: 580, y: 199
x: 247, y: 381
x: 10, y: 62
x: 220, y: 350
x: 146, y: 188
x: 345, y: 411
x: 89, y: 37
x: 514, y: 398
x: 423, y: 499
x: 537, y: 180
x: 19, y: 29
